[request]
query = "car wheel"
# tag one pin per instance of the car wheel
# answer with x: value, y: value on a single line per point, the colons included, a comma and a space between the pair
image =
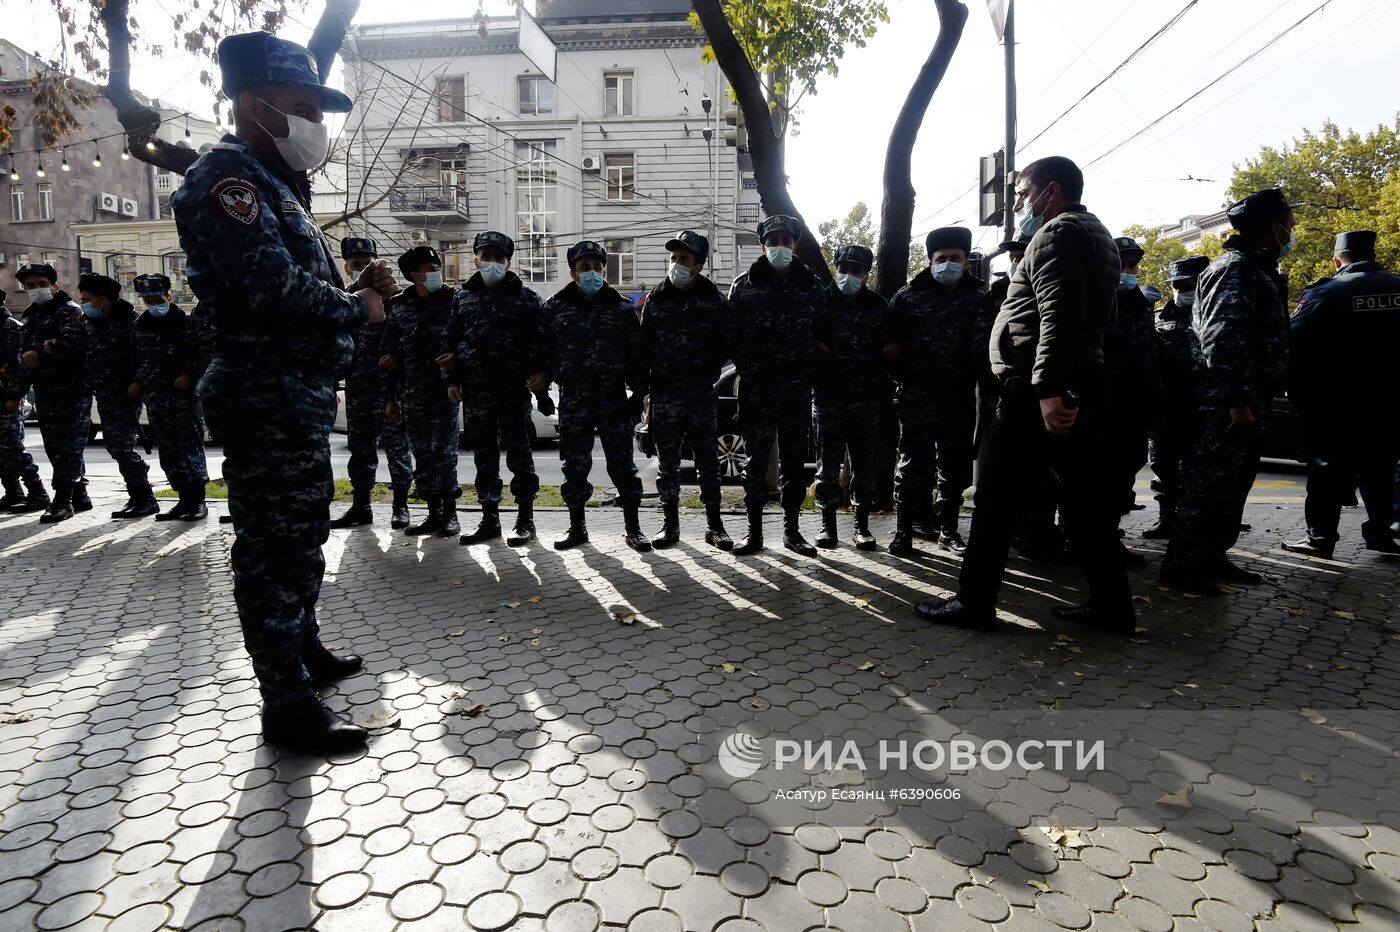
x: 731, y: 456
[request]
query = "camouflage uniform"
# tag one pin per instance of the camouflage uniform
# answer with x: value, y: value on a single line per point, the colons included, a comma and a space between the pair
x: 850, y: 380
x: 683, y: 350
x: 16, y: 464
x: 1242, y: 321
x: 774, y: 341
x: 1130, y: 365
x: 494, y: 334
x: 60, y: 394
x: 413, y: 335
x: 110, y: 369
x: 1177, y: 350
x: 592, y: 349
x: 937, y: 372
x: 365, y: 424
x: 166, y: 349
x: 281, y: 324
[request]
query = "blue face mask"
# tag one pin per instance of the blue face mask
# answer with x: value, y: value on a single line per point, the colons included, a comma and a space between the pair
x: 948, y: 273
x: 848, y: 284
x: 1288, y: 246
x: 590, y: 282
x: 90, y: 311
x: 159, y: 310
x: 492, y: 272
x: 433, y: 281
x: 1027, y: 222
x: 1127, y: 281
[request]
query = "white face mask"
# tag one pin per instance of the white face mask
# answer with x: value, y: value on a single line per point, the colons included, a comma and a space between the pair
x: 679, y: 275
x: 1185, y: 298
x: 433, y: 281
x: 40, y: 295
x: 780, y: 257
x: 492, y: 272
x: 306, y: 144
x: 848, y: 284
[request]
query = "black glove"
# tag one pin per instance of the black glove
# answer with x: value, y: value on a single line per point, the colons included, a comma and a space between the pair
x: 544, y: 403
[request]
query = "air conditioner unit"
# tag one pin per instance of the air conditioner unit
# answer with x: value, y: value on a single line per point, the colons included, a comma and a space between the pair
x: 418, y: 237
x: 107, y: 202
x: 593, y: 163
x: 128, y: 207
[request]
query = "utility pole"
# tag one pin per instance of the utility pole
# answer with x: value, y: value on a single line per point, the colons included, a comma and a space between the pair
x: 1008, y: 39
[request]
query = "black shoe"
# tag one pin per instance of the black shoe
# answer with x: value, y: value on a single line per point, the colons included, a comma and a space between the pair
x: 752, y: 542
x: 670, y: 526
x: 862, y: 537
x: 924, y: 530
x: 577, y: 534
x: 326, y: 668
x: 955, y: 614
x: 902, y: 543
x: 225, y: 519
x: 1386, y: 548
x: 488, y: 529
x: 143, y: 509
x: 1228, y: 572
x: 56, y: 512
x: 197, y: 511
x: 13, y: 499
x: 524, y: 530
x: 399, y: 517
x: 308, y: 727
x: 1308, y: 548
x: 181, y: 509
x: 1195, y: 583
x: 1162, y: 530
x: 451, y: 527
x: 1246, y: 528
x: 1131, y: 557
x: 81, y: 500
x: 828, y: 539
x: 634, y: 537
x: 1086, y: 614
x: 431, y: 524
x: 359, y: 513
x: 715, y: 534
x: 36, y: 500
x: 792, y: 534
x: 952, y: 540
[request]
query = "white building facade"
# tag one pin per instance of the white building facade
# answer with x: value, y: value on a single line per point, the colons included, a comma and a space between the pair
x: 456, y: 131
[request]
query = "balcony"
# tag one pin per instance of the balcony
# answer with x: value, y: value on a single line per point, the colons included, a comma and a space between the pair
x: 429, y: 201
x: 747, y: 213
x: 165, y: 183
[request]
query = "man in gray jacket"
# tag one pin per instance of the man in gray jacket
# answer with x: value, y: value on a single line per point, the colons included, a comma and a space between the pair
x: 1047, y: 353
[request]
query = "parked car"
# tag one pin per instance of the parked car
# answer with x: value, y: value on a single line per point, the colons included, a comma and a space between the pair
x: 542, y: 426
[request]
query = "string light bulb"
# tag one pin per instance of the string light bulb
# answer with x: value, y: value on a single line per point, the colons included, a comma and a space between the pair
x: 14, y: 172
x: 66, y: 167
x: 40, y: 172
x: 97, y: 159
x: 151, y: 144
x: 126, y: 152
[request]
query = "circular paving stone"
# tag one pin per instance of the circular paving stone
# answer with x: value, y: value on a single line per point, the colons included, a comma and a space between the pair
x: 203, y: 814
x: 1038, y: 859
x: 613, y: 818
x: 97, y: 796
x: 887, y: 845
x: 416, y: 901
x: 669, y: 871
x: 748, y: 831
x: 1063, y: 910
x: 655, y: 920
x: 573, y: 916
x: 262, y: 823
x: 324, y: 831
x: 484, y: 806
x: 679, y: 823
x: 1252, y: 865
x: 568, y: 775
x: 689, y: 785
x: 1105, y: 862
x: 1326, y: 867
x: 203, y: 868
x: 1179, y: 864
x: 41, y: 789
x: 595, y: 863
x: 16, y: 891
x: 148, y: 917
x: 508, y: 770
x: 390, y: 839
x: 585, y: 744
x: 69, y: 911
x: 961, y: 851
x: 819, y: 839
x: 134, y: 860
x: 273, y: 879
x: 625, y: 781
x: 146, y: 805
x: 492, y: 911
x: 547, y: 811
x: 1223, y: 917
x: 424, y: 800
x: 739, y: 925
x: 342, y: 890
x: 742, y: 879
x: 1143, y: 914
x: 363, y: 794
x: 523, y: 856
x: 983, y: 904
x: 454, y: 849
x: 902, y: 896
x: 81, y: 847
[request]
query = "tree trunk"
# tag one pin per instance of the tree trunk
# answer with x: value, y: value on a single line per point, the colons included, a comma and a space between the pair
x: 765, y: 147
x: 897, y: 210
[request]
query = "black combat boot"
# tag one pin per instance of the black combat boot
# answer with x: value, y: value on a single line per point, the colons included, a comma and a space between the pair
x: 956, y: 614
x: 81, y: 500
x: 359, y: 513
x: 450, y: 526
x: 524, y: 530
x: 432, y: 522
x: 578, y: 530
x: 828, y: 539
x: 308, y: 727
x: 489, y: 528
x: 61, y: 508
x: 792, y: 533
x: 863, y: 538
x: 400, y: 519
x: 752, y: 542
x: 325, y: 667
x: 225, y: 519
x: 197, y: 510
x: 632, y: 530
x: 14, y: 494
x: 670, y: 526
x: 141, y: 505
x: 902, y: 544
x: 36, y: 500
x: 715, y: 534
x: 182, y: 508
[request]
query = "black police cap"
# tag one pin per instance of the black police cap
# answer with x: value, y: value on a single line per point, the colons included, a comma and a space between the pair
x: 357, y: 246
x: 36, y: 268
x: 151, y: 284
x: 779, y: 223
x: 1180, y: 270
x: 498, y: 240
x: 698, y: 244
x: 414, y: 259
x: 251, y: 60
x: 1259, y: 208
x: 1013, y: 245
x: 1127, y: 246
x: 100, y: 285
x: 949, y: 238
x: 584, y: 249
x: 1360, y: 241
x: 856, y: 255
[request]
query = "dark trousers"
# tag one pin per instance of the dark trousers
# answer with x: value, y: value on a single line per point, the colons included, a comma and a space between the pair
x: 769, y: 413
x: 431, y: 422
x: 1017, y: 444
x: 841, y: 427
x: 178, y: 428
x: 581, y: 417
x: 1344, y: 455
x: 366, y: 427
x: 1170, y: 447
x: 1214, y: 489
x: 498, y: 422
x: 935, y: 450
x: 120, y: 416
x: 65, y: 418
x: 677, y: 416
x: 15, y: 461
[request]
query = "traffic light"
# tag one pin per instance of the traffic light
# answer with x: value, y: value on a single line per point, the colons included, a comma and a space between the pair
x: 736, y: 133
x: 991, y: 202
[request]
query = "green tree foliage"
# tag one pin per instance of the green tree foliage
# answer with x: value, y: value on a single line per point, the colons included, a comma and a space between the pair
x: 858, y: 228
x: 1159, y: 253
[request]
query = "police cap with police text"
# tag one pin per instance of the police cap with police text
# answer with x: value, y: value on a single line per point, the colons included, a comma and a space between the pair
x: 1258, y: 209
x: 1127, y: 246
x: 100, y: 285
x: 1181, y: 270
x: 496, y: 240
x: 779, y: 223
x: 584, y: 249
x: 36, y: 268
x: 949, y: 238
x: 1358, y: 241
x: 357, y: 246
x: 698, y: 245
x: 251, y: 60
x: 414, y: 259
x: 151, y: 285
x: 855, y: 255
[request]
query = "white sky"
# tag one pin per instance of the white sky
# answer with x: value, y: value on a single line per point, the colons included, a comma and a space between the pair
x: 1338, y: 65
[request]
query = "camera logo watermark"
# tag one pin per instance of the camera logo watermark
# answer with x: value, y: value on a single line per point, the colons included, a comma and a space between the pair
x: 741, y: 756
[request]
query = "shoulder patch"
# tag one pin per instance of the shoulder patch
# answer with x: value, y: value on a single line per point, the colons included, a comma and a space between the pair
x: 238, y: 197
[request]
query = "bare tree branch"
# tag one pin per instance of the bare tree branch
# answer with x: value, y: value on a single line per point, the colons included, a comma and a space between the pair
x: 139, y: 120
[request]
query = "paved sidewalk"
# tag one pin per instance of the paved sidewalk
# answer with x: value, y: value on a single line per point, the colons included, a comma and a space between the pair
x: 590, y: 739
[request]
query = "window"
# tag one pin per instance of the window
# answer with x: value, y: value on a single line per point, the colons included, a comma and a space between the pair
x: 536, y: 210
x: 21, y: 259
x: 16, y: 203
x: 620, y: 176
x: 451, y: 94
x: 173, y: 265
x: 121, y: 266
x: 456, y: 262
x: 617, y: 93
x: 536, y: 95
x: 46, y: 201
x: 621, y: 261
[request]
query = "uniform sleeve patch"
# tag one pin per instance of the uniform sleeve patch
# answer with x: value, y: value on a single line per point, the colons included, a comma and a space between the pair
x: 238, y: 197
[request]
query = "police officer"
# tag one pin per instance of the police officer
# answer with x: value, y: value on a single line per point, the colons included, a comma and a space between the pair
x: 51, y: 357
x: 1342, y: 386
x: 1176, y: 348
x: 1015, y: 250
x: 1132, y: 381
x: 932, y: 321
x: 365, y: 423
x: 490, y: 349
x: 775, y: 307
x: 684, y: 322
x: 1241, y: 318
x: 850, y: 377
x: 592, y: 347
x: 168, y: 366
x: 282, y: 322
x: 110, y: 372
x: 409, y: 349
x: 16, y: 465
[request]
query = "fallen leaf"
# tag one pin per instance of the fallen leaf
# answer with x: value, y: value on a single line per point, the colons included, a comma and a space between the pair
x: 1181, y: 798
x: 474, y: 711
x: 860, y: 600
x: 730, y: 668
x: 1040, y: 885
x: 1348, y: 616
x: 515, y: 604
x: 1164, y: 588
x: 1063, y: 639
x: 1191, y: 595
x: 535, y: 599
x: 1138, y: 598
x: 537, y: 631
x: 1312, y: 715
x: 1342, y: 666
x: 534, y: 642
x: 1306, y: 775
x: 1076, y: 650
x: 866, y: 666
x: 1064, y: 837
x: 756, y: 704
x: 380, y: 720
x: 1190, y: 686
x: 19, y: 719
x: 456, y: 634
